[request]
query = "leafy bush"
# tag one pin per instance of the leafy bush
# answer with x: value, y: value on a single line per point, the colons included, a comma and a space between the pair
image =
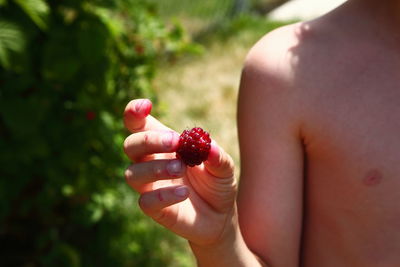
x: 67, y: 70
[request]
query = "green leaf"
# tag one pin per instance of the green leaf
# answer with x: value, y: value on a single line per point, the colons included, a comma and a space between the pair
x: 113, y: 23
x: 12, y: 38
x: 37, y: 10
x: 3, y: 2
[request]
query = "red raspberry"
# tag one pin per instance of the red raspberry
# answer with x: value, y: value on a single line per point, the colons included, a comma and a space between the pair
x: 90, y: 115
x: 194, y: 146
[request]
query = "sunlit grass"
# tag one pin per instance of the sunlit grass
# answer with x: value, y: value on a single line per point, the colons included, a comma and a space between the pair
x: 194, y: 15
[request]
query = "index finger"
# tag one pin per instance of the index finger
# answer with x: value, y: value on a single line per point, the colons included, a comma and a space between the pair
x: 137, y: 118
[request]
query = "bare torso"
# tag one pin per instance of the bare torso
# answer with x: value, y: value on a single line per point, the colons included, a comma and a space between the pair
x: 352, y: 147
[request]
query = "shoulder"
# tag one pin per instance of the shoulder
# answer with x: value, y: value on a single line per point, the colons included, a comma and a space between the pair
x: 268, y: 96
x: 271, y: 55
x: 280, y: 53
x: 284, y: 58
x: 269, y: 75
x: 289, y: 64
x: 279, y: 77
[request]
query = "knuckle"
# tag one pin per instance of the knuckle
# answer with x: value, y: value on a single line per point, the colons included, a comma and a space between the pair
x: 160, y: 216
x: 128, y: 175
x: 228, y: 164
x: 234, y: 187
x: 164, y: 218
x: 235, y: 184
x: 126, y: 145
x: 130, y: 178
x: 160, y: 196
x: 143, y: 203
x: 158, y: 170
x: 146, y: 139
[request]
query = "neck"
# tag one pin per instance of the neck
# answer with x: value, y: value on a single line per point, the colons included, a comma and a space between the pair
x: 380, y: 18
x: 381, y: 12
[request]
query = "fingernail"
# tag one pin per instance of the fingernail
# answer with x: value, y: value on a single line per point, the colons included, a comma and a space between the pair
x: 181, y: 191
x: 142, y: 107
x: 174, y: 167
x: 168, y: 139
x: 214, y: 154
x: 138, y: 105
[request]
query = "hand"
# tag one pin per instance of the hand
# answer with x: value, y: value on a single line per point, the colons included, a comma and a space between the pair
x: 196, y: 203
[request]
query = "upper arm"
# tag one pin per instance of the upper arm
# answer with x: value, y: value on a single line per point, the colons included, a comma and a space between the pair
x: 270, y: 200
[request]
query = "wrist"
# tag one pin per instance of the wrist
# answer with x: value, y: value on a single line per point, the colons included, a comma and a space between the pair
x: 229, y: 250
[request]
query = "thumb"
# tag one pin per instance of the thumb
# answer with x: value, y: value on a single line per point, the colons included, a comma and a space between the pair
x: 223, y: 184
x: 219, y: 163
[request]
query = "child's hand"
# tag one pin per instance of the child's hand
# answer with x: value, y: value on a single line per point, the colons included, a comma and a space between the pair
x: 197, y: 202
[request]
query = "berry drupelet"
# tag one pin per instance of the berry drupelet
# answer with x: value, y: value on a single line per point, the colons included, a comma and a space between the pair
x: 194, y: 146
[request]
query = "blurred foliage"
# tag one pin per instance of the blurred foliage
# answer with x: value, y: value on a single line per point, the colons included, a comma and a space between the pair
x: 244, y: 28
x: 204, y: 17
x: 67, y: 70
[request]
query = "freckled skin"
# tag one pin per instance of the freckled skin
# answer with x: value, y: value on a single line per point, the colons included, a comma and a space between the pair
x: 352, y: 212
x: 325, y: 188
x: 373, y: 177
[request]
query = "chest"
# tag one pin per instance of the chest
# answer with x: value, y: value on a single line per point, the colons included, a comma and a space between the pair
x: 355, y: 110
x: 352, y: 139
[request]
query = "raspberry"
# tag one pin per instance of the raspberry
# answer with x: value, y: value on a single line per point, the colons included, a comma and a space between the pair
x: 194, y: 146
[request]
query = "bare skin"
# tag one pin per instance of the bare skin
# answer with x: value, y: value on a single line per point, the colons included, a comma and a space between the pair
x: 196, y: 203
x: 319, y: 122
x: 331, y: 118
